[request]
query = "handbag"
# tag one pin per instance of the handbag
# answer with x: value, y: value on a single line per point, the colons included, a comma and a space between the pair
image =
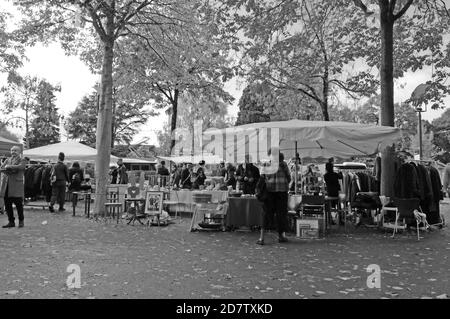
x: 261, y: 192
x: 52, y: 176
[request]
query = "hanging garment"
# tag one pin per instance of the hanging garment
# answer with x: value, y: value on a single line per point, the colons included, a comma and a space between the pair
x: 355, y: 187
x: 424, y: 178
x: 434, y: 216
x: 45, y: 183
x: 406, y: 183
x: 37, y: 177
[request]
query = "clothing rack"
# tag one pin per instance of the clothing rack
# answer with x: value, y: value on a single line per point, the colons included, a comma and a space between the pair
x: 356, y: 170
x: 428, y: 162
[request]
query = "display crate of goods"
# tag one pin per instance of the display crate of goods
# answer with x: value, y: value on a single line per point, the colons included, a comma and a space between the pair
x: 201, y: 198
x: 309, y: 228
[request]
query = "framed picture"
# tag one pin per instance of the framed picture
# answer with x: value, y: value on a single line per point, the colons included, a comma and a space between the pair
x: 154, y: 203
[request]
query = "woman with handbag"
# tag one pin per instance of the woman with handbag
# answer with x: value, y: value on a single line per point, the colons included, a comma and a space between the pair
x: 276, y: 198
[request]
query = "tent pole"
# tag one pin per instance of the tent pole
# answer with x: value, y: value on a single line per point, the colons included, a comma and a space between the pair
x: 295, y: 165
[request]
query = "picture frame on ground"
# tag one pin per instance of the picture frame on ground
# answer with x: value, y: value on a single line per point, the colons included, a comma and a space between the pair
x: 154, y: 203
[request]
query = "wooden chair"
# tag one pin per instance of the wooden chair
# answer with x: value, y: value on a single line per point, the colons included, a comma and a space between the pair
x: 113, y: 205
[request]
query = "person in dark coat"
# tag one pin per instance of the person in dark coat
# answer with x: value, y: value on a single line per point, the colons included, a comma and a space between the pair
x: 230, y: 178
x: 123, y: 175
x: 75, y: 177
x: 60, y: 180
x: 176, y: 175
x: 113, y: 172
x: 332, y: 180
x: 247, y: 175
x: 199, y: 179
x: 222, y: 169
x: 163, y: 172
x: 186, y: 175
x: 12, y: 185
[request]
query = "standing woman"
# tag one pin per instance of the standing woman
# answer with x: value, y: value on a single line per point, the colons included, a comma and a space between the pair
x: 276, y: 205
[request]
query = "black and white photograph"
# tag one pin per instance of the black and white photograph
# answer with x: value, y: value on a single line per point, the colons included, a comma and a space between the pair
x: 153, y: 203
x: 225, y: 157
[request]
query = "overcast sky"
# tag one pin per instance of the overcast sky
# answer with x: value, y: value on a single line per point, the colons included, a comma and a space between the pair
x: 76, y: 81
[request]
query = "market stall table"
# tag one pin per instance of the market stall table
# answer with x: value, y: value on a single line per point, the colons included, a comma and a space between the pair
x: 185, y: 201
x: 244, y: 211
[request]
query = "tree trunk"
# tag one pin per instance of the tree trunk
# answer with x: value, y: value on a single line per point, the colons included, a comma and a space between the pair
x: 173, y: 124
x: 387, y: 94
x: 324, y: 104
x: 113, y: 120
x: 104, y: 120
x: 27, y: 126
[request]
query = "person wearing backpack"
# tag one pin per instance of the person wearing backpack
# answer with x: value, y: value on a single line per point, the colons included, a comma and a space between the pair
x: 75, y: 177
x: 59, y: 179
x: 276, y: 201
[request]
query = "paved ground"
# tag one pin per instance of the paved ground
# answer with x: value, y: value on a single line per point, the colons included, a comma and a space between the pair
x: 121, y: 261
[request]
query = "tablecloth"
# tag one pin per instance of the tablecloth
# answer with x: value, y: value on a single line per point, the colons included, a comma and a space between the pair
x: 244, y: 211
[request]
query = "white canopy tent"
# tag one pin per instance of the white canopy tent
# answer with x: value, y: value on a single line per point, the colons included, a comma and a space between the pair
x: 209, y: 159
x: 72, y: 150
x: 311, y: 139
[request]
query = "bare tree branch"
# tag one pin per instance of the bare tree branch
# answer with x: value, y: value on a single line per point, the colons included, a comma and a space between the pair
x: 403, y: 10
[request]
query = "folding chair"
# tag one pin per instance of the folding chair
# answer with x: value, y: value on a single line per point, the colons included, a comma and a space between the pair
x: 314, y: 205
x: 113, y: 205
x: 408, y: 208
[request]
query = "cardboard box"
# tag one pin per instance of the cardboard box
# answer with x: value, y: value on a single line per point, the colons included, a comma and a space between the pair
x: 309, y: 233
x: 308, y: 228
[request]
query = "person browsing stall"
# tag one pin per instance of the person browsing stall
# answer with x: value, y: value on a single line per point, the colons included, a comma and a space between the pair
x: 122, y: 172
x: 186, y: 175
x: 199, y: 179
x: 247, y: 174
x: 163, y: 172
x: 76, y: 177
x: 176, y: 175
x: 59, y: 179
x: 113, y: 172
x: 222, y: 169
x: 275, y: 207
x: 230, y: 178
